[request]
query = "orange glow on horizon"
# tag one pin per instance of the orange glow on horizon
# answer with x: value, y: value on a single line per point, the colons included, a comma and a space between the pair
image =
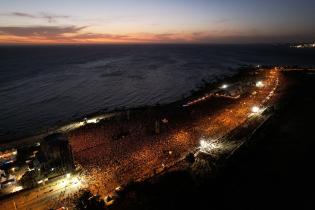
x: 102, y: 38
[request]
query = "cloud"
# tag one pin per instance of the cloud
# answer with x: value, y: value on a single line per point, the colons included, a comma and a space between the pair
x: 44, y: 31
x: 80, y: 34
x: 58, y: 34
x: 164, y: 37
x: 99, y: 36
x: 51, y: 18
x: 21, y: 14
x: 75, y: 34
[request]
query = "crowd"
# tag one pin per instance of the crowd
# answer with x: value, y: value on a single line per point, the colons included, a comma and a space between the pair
x: 116, y: 152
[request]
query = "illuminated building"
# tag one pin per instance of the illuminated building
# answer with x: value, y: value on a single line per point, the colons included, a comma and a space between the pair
x: 8, y: 156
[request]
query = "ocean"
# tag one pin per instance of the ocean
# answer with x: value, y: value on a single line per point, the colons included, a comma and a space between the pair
x: 45, y: 86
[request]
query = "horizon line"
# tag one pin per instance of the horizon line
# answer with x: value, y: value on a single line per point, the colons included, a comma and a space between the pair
x: 150, y: 43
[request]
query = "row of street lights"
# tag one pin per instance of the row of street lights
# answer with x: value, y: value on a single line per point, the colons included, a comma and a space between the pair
x: 206, y: 146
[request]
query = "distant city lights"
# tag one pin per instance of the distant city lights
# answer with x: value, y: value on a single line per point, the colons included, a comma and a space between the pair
x: 305, y: 45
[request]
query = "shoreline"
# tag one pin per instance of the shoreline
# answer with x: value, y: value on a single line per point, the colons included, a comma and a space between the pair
x: 118, y: 152
x: 200, y: 90
x: 121, y: 159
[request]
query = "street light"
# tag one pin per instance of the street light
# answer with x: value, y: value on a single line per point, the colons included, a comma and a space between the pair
x: 93, y: 120
x: 259, y: 84
x: 207, y: 146
x: 204, y: 144
x: 255, y: 109
x: 224, y: 86
x: 17, y: 188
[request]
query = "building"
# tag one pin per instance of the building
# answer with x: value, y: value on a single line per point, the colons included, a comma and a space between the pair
x: 234, y: 90
x: 8, y: 156
x: 55, y: 155
x: 6, y: 180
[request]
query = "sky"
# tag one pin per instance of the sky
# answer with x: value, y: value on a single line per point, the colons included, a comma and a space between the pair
x: 156, y: 21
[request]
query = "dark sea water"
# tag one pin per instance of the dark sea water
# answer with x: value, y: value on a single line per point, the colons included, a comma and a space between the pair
x: 44, y: 86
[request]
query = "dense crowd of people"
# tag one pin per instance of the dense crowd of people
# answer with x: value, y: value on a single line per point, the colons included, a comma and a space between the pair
x: 121, y: 150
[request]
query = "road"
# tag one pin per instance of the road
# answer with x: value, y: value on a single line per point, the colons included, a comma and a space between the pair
x: 45, y: 196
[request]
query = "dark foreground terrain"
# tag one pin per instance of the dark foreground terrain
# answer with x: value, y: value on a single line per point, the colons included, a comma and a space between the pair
x: 274, y: 170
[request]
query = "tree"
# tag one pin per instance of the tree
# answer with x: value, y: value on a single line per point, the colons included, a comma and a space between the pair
x: 30, y: 179
x: 88, y: 201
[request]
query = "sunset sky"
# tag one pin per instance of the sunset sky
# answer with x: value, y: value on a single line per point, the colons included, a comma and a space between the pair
x: 156, y: 21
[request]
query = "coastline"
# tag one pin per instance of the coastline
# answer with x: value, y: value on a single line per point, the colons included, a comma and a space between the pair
x: 129, y: 147
x: 124, y: 150
x: 200, y: 90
